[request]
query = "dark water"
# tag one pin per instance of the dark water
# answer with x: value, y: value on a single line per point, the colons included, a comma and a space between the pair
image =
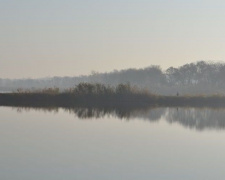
x: 91, y: 144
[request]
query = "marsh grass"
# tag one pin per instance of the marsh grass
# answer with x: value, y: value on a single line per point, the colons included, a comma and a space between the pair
x: 99, y: 95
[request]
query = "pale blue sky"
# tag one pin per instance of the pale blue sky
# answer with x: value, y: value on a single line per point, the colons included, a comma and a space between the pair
x: 40, y: 38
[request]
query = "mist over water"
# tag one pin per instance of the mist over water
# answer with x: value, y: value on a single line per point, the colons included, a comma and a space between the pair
x: 112, y: 90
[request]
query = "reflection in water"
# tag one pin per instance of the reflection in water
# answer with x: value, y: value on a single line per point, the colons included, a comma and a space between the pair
x: 198, y: 118
x: 193, y: 118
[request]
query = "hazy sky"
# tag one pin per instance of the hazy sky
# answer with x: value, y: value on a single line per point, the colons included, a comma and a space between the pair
x: 40, y: 38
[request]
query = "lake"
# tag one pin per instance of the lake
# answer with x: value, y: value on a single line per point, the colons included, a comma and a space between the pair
x: 91, y: 144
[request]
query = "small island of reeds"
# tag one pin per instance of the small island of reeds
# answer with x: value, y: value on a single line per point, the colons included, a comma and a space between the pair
x: 99, y: 95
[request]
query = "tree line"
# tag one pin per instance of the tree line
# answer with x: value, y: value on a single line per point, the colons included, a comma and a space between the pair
x: 193, y: 79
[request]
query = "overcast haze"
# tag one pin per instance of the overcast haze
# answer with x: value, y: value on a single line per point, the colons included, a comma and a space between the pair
x: 41, y: 38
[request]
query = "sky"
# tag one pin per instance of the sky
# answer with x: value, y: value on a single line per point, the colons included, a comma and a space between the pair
x: 45, y: 38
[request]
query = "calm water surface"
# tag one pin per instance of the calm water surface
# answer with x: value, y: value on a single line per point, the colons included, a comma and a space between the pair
x: 81, y: 144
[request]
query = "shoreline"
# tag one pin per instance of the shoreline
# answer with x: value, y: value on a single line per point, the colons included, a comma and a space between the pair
x: 124, y: 100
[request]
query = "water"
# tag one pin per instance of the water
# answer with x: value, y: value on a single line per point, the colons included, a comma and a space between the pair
x: 84, y: 144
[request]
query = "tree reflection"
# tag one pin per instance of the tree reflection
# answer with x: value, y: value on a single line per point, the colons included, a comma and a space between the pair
x: 196, y: 118
x: 193, y: 118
